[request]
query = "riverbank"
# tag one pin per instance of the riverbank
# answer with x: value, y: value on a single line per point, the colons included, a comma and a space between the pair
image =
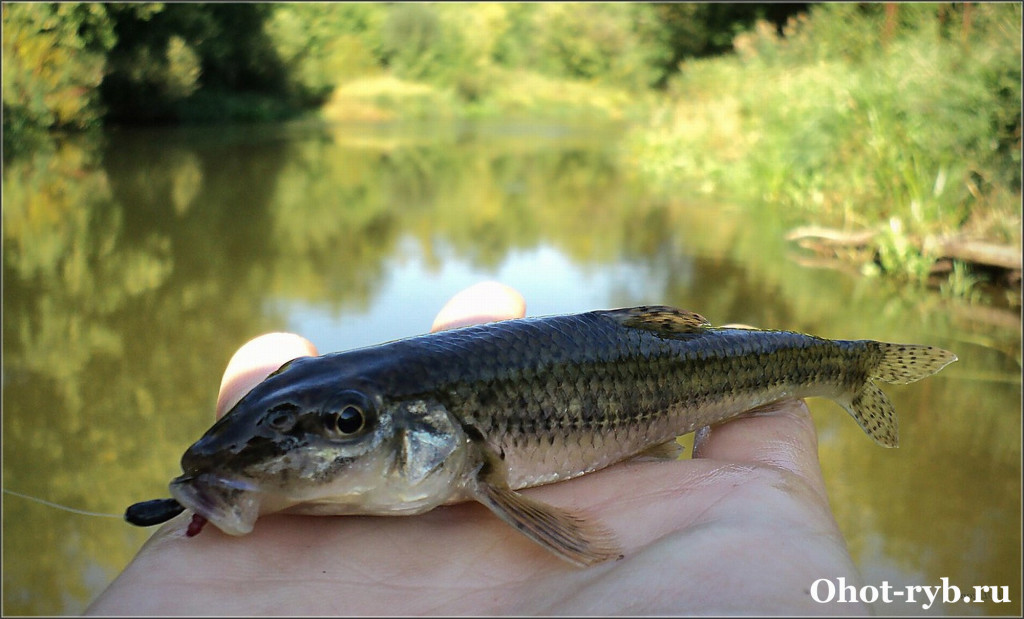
x: 898, y: 124
x: 508, y: 94
x: 909, y: 144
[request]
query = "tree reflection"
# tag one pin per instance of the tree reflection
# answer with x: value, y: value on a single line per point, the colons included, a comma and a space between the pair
x: 135, y: 266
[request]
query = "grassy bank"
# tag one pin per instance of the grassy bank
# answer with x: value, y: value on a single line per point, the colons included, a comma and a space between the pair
x: 906, y: 127
x: 508, y: 95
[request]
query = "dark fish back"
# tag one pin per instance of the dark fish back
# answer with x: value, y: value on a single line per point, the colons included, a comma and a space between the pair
x: 573, y: 393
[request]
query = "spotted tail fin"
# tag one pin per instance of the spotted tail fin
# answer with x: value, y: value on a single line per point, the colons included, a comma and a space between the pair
x: 907, y: 363
x: 900, y: 364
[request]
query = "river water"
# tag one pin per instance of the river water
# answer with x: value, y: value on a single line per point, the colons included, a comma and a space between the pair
x: 135, y: 263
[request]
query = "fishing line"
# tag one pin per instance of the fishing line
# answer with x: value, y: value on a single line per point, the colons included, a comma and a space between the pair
x: 64, y: 507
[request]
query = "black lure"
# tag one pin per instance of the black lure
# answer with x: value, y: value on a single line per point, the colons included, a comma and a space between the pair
x: 149, y: 513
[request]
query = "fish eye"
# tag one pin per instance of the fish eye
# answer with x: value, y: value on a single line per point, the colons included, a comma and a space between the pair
x: 347, y: 414
x: 347, y: 421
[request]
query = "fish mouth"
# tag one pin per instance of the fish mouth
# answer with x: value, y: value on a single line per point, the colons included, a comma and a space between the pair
x: 232, y: 505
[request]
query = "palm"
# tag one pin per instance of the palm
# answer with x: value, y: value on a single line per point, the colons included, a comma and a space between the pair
x: 700, y: 536
x: 745, y: 527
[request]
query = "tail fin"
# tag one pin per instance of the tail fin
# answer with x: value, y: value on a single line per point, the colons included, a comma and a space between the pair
x: 900, y: 364
x: 907, y: 363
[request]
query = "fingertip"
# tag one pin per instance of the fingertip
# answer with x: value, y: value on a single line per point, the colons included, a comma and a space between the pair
x: 484, y: 302
x: 256, y: 360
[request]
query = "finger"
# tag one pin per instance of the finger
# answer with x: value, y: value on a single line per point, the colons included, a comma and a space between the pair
x: 480, y: 303
x: 256, y: 360
x: 781, y: 436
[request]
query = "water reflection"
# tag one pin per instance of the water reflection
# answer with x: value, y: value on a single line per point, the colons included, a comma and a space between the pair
x: 134, y: 267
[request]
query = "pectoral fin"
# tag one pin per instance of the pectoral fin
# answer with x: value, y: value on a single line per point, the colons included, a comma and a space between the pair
x: 565, y: 534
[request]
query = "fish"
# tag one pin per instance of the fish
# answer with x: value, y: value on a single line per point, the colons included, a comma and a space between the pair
x: 481, y: 412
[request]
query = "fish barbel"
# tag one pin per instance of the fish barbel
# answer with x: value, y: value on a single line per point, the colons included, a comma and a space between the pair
x: 479, y: 412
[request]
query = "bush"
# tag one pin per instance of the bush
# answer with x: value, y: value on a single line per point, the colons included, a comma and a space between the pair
x: 53, y: 60
x: 619, y: 44
x: 856, y: 118
x: 323, y: 45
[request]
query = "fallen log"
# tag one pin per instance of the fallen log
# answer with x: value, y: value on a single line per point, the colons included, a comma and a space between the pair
x: 825, y: 240
x: 980, y: 252
x: 831, y: 236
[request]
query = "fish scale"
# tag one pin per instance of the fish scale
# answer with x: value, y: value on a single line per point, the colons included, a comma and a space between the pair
x: 577, y: 380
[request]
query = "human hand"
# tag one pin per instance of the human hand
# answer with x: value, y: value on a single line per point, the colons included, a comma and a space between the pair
x: 744, y: 527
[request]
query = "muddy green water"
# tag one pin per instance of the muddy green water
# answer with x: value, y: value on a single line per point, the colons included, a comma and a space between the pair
x: 134, y: 266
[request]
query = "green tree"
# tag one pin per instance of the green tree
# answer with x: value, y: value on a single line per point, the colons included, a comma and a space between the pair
x: 323, y: 45
x: 180, y: 61
x: 624, y: 44
x: 53, y: 60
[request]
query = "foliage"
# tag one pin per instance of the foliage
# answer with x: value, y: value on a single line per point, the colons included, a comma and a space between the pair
x: 618, y: 43
x: 858, y: 118
x: 485, y: 59
x: 189, y: 62
x: 324, y: 44
x: 963, y: 284
x: 181, y: 60
x: 53, y: 58
x: 703, y: 29
x: 72, y: 65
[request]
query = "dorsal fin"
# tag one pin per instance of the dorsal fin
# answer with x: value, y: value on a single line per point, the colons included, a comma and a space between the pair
x: 660, y: 319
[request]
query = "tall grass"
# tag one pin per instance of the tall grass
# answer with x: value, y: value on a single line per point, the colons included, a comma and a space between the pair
x: 910, y: 125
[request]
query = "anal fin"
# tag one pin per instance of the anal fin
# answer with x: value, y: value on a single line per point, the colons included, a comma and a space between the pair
x: 874, y: 413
